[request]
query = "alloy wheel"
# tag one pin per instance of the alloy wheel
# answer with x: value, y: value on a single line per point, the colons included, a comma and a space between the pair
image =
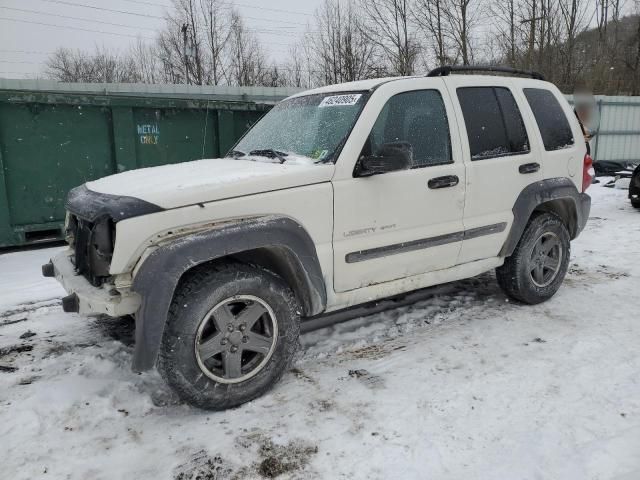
x: 236, y: 339
x: 545, y: 259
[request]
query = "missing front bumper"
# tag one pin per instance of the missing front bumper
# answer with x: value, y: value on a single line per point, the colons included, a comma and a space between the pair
x: 83, y: 297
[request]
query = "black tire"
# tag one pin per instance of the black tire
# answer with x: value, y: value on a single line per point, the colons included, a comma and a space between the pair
x: 516, y: 277
x: 196, y: 296
x: 635, y: 202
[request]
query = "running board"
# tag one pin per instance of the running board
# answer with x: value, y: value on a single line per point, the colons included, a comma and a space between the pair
x: 332, y: 318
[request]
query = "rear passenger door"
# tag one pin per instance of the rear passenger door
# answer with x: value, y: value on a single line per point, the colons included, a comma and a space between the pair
x: 500, y: 159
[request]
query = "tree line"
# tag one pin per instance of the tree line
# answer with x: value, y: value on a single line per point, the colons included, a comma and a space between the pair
x: 575, y: 43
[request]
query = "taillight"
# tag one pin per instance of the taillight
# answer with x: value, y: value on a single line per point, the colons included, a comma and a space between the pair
x: 588, y: 173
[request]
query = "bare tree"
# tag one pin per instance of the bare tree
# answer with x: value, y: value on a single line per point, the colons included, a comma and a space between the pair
x: 298, y: 68
x: 508, y: 29
x: 207, y: 42
x: 217, y: 28
x: 574, y: 21
x: 461, y: 19
x: 389, y: 27
x: 180, y: 43
x: 545, y: 34
x: 104, y: 66
x: 428, y: 15
x: 632, y: 54
x: 246, y: 56
x: 146, y: 62
x: 340, y: 49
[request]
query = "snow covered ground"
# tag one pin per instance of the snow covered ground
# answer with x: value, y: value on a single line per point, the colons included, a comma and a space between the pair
x: 465, y: 385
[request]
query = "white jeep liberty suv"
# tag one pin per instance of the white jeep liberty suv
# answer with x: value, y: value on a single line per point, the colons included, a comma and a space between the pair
x: 338, y: 196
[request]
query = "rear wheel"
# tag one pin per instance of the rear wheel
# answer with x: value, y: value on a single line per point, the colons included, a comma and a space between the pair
x: 538, y: 265
x: 231, y: 333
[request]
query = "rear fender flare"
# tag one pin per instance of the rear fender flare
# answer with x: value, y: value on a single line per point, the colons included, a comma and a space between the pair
x: 535, y: 196
x: 160, y: 273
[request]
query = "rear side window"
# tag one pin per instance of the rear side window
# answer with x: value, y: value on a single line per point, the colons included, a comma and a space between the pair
x: 494, y: 124
x: 552, y: 122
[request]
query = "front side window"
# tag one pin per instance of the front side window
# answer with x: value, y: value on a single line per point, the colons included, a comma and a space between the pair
x: 554, y: 128
x: 494, y: 125
x: 418, y: 118
x: 307, y: 129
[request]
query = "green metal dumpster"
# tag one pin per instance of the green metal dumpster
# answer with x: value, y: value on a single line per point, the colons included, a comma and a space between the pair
x: 56, y: 136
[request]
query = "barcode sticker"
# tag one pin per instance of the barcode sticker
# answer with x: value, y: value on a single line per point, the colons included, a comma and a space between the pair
x: 340, y: 100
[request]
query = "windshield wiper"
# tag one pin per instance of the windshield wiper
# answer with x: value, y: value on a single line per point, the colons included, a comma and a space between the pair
x: 236, y: 154
x: 270, y: 153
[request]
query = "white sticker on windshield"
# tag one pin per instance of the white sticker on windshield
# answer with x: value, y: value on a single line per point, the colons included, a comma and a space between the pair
x: 340, y: 100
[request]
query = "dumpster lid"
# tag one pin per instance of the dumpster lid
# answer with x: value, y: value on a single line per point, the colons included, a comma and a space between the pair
x: 266, y: 95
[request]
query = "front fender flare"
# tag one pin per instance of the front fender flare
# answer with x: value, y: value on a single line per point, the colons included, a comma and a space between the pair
x: 159, y: 275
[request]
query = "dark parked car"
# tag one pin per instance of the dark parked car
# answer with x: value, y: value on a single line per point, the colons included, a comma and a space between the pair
x: 634, y: 188
x: 608, y: 168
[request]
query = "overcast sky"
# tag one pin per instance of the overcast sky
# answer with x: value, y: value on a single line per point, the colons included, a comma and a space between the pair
x: 25, y: 42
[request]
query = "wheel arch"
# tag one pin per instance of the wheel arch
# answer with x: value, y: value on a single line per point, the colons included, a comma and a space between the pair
x: 566, y: 209
x: 555, y: 195
x: 276, y: 243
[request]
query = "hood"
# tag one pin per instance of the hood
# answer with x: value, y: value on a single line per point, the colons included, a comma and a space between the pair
x: 202, y: 181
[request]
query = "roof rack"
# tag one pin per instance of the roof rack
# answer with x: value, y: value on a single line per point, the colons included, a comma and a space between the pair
x: 447, y: 69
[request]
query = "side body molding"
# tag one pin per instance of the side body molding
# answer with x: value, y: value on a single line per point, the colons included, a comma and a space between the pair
x: 160, y: 273
x: 553, y: 194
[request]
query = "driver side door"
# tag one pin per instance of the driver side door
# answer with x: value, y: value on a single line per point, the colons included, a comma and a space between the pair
x: 402, y: 223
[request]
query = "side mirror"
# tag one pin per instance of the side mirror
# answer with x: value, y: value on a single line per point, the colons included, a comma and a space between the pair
x: 390, y: 157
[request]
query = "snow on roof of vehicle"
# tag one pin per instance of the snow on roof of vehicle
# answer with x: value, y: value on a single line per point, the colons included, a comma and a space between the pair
x: 349, y: 86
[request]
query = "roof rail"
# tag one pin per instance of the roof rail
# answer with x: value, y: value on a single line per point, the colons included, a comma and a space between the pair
x: 447, y: 69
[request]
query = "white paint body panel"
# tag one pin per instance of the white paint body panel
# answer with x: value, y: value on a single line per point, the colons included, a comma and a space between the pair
x: 92, y: 300
x: 395, y: 207
x: 310, y: 205
x: 493, y: 184
x: 200, y: 181
x: 566, y: 162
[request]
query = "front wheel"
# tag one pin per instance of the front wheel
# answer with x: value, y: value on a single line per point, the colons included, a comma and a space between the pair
x: 231, y: 333
x: 538, y: 265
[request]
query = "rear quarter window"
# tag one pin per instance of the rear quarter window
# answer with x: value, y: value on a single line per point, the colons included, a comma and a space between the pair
x: 494, y: 125
x: 552, y: 122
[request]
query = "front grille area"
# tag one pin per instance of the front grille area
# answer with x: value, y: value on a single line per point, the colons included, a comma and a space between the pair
x: 92, y: 244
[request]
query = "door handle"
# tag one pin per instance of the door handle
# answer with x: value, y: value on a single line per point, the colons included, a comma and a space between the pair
x: 443, y: 182
x: 529, y: 168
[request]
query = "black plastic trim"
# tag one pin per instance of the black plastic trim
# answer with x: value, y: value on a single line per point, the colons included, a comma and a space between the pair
x: 48, y: 270
x: 447, y: 69
x: 158, y: 276
x: 423, y: 243
x: 538, y: 193
x: 486, y: 230
x: 90, y: 205
x: 71, y: 304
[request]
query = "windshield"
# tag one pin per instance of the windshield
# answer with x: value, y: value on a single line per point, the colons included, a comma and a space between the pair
x: 308, y: 129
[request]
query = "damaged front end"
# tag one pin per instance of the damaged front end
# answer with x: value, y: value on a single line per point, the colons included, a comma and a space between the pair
x: 83, y: 269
